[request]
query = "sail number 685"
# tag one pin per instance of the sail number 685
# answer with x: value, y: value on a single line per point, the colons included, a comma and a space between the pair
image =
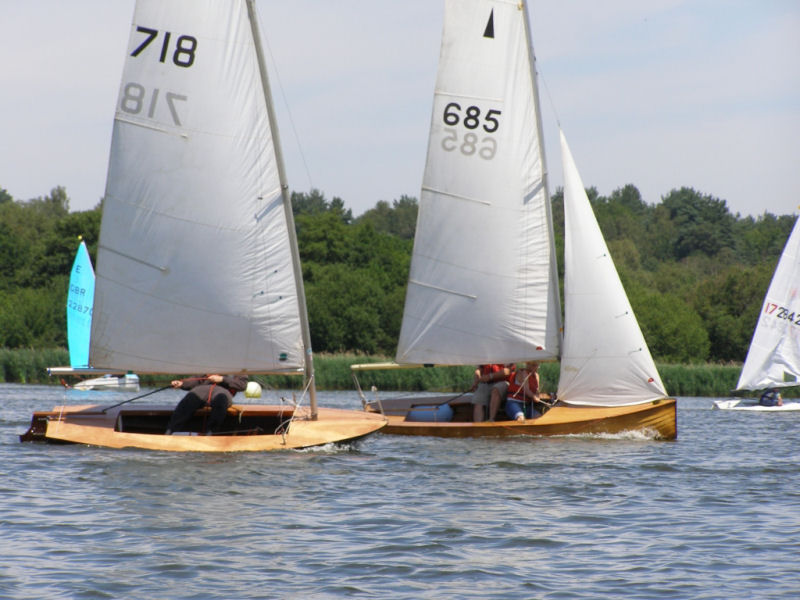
x: 469, y: 143
x: 471, y: 117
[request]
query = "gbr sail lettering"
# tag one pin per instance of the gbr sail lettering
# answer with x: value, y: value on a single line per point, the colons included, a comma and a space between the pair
x: 468, y: 130
x: 781, y: 312
x: 166, y: 48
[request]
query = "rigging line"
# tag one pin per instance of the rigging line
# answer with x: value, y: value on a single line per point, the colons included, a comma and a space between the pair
x: 538, y: 71
x: 549, y: 96
x: 285, y: 101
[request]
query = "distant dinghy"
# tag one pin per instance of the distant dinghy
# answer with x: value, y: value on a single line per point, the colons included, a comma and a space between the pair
x: 80, y: 300
x: 773, y: 359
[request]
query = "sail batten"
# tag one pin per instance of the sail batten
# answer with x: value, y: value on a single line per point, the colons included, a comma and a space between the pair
x: 195, y: 263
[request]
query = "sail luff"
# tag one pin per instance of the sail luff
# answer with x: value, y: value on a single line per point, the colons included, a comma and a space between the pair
x: 289, y: 215
x: 545, y: 171
x: 773, y: 358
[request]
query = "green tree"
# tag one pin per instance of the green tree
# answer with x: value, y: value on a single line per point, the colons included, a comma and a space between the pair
x: 703, y: 223
x: 314, y: 203
x: 729, y: 304
x: 399, y: 219
x: 34, y: 318
x: 348, y: 310
x: 673, y: 329
x: 762, y: 239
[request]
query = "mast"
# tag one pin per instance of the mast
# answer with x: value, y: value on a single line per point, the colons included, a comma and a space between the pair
x: 287, y: 208
x: 540, y: 142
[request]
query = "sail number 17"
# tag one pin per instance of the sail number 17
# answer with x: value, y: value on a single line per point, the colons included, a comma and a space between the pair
x: 474, y: 120
x: 782, y: 313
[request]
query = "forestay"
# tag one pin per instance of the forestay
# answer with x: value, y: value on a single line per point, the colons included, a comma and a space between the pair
x: 79, y: 308
x: 483, y: 281
x: 605, y: 360
x: 194, y: 268
x: 773, y: 359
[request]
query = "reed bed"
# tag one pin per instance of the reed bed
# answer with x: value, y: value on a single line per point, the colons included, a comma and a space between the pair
x: 333, y: 373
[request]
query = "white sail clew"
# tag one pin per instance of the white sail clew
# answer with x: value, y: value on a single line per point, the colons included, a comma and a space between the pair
x: 605, y: 360
x: 483, y: 284
x: 195, y: 268
x: 773, y: 359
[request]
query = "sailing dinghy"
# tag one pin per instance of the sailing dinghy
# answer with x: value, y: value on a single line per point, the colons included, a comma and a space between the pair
x: 483, y: 285
x: 773, y: 359
x: 198, y: 269
x: 80, y: 299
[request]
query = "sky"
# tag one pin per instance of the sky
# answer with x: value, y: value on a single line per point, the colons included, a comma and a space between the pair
x: 661, y: 94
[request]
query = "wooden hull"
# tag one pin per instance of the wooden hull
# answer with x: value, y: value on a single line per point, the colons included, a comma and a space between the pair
x: 658, y: 418
x: 247, y: 428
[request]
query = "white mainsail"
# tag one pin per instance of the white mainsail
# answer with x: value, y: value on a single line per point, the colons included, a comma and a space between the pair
x: 605, y: 360
x: 773, y: 359
x: 195, y: 266
x: 483, y: 285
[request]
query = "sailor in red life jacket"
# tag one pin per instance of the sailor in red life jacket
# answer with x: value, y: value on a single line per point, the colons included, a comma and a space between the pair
x: 214, y: 390
x: 490, y: 380
x: 523, y: 391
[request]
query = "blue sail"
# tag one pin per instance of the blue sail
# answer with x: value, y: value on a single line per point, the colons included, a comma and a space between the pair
x: 79, y: 308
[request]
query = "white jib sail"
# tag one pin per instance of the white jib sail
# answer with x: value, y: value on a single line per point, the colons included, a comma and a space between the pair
x: 773, y: 359
x: 605, y: 361
x: 194, y: 269
x: 483, y: 282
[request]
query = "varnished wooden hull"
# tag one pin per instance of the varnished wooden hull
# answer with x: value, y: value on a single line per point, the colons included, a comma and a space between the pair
x: 658, y: 418
x: 247, y: 428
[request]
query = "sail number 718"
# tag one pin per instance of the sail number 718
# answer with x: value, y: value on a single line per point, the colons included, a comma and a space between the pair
x: 137, y: 98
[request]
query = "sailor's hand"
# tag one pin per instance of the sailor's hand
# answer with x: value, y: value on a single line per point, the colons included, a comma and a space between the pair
x: 215, y: 378
x: 176, y: 383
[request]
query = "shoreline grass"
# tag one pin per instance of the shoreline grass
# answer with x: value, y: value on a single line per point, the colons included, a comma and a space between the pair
x: 333, y: 373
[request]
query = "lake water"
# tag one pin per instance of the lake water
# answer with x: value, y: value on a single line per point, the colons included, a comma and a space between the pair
x: 715, y: 514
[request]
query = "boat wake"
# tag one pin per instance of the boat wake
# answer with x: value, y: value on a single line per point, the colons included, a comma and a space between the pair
x: 643, y: 435
x: 332, y: 448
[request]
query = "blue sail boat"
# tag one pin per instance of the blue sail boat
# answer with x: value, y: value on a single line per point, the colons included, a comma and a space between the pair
x: 80, y: 300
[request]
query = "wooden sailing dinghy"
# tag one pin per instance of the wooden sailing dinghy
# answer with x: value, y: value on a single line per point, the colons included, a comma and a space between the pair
x: 198, y: 269
x: 483, y: 286
x: 773, y: 359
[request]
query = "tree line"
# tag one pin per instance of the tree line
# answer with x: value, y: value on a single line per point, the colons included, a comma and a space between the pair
x: 695, y: 273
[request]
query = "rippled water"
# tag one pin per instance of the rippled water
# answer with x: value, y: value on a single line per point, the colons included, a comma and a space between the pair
x: 715, y: 514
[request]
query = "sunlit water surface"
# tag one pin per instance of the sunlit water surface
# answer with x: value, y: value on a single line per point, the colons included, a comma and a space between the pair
x: 715, y: 514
